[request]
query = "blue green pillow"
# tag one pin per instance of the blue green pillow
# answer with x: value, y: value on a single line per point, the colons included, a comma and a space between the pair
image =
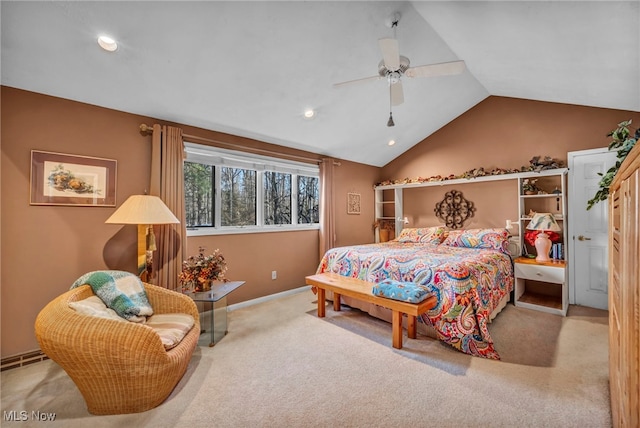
x: 398, y: 290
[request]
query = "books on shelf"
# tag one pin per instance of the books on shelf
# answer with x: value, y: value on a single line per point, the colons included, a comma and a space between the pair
x: 557, y: 251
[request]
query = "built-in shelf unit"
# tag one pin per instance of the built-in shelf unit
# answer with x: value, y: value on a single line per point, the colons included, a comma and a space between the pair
x: 538, y: 286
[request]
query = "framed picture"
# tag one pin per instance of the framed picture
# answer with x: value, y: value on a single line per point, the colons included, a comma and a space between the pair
x: 60, y: 179
x: 353, y: 203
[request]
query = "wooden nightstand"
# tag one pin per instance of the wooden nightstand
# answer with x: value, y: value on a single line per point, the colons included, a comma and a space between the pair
x: 541, y: 286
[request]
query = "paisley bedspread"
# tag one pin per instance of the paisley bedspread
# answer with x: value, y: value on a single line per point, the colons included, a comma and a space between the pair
x: 469, y: 284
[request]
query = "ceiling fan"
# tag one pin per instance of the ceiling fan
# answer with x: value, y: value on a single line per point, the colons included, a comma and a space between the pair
x: 393, y: 66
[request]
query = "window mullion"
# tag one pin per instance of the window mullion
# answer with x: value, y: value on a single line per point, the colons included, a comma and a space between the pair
x: 294, y: 198
x: 217, y: 195
x: 260, y: 190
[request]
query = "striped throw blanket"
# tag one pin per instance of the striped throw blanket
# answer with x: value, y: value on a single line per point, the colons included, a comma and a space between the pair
x: 121, y: 291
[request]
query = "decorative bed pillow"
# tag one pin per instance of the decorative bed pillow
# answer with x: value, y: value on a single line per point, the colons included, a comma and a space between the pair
x: 493, y: 239
x: 404, y: 291
x: 170, y: 327
x: 95, y: 307
x: 121, y: 291
x: 425, y: 235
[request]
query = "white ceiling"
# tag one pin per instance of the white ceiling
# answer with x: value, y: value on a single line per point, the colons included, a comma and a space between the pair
x: 251, y: 68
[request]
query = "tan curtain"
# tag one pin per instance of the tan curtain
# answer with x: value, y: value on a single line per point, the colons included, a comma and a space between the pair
x: 167, y: 182
x: 327, y: 208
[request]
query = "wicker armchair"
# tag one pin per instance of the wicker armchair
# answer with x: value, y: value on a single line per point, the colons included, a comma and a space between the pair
x: 119, y: 367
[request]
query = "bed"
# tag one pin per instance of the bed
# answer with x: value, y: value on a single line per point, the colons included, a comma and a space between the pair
x: 470, y: 271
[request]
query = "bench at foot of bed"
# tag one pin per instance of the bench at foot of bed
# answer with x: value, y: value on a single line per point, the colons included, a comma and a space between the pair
x: 362, y: 290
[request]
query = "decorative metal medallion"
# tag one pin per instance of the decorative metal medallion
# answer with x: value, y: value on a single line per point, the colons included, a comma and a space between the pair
x: 454, y: 209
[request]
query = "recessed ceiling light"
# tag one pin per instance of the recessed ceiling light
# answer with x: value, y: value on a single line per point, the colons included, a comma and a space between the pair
x: 391, y: 142
x: 107, y: 43
x: 309, y: 113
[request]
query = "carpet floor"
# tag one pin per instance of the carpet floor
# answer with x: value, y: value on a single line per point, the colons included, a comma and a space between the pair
x: 282, y: 366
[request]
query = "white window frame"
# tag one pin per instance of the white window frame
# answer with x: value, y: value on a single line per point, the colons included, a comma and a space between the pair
x: 218, y: 157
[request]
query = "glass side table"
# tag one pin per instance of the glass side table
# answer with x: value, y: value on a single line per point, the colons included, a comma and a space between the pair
x: 217, y: 297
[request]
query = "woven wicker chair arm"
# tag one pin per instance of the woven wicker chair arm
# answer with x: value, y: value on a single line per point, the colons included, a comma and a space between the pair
x: 62, y: 328
x: 164, y: 301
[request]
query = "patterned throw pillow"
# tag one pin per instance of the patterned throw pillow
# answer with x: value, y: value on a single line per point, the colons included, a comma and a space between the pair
x: 493, y: 239
x: 403, y: 291
x: 423, y: 235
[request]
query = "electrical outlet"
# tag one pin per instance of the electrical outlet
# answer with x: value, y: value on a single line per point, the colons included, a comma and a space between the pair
x: 274, y: 274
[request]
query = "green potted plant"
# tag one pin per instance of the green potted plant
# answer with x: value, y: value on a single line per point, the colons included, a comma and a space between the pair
x: 529, y: 186
x: 622, y: 143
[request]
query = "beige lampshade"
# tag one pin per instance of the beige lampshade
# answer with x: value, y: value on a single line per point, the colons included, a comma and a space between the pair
x: 543, y: 221
x: 143, y: 209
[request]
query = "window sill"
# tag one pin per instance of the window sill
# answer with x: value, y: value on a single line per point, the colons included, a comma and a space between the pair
x: 206, y: 231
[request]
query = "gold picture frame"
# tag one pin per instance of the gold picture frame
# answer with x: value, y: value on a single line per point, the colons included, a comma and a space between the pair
x: 353, y: 203
x: 62, y: 179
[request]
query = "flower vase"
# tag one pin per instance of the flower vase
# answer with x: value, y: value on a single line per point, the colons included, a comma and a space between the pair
x: 384, y: 235
x: 205, y: 286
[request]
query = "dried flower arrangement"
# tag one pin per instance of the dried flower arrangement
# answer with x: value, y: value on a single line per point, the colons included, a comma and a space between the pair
x: 198, y: 271
x: 537, y: 163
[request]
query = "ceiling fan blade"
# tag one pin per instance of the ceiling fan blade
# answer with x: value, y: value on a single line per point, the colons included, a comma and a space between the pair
x: 397, y: 94
x: 349, y: 82
x: 433, y: 70
x: 390, y: 53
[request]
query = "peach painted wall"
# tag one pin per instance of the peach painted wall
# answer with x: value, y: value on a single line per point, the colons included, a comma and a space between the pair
x: 498, y: 132
x: 45, y: 248
x: 352, y: 229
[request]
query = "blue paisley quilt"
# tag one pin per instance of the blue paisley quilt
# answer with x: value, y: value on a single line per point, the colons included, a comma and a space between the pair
x: 469, y: 283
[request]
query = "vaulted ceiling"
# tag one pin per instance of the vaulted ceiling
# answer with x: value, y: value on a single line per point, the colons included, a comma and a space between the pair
x: 252, y: 68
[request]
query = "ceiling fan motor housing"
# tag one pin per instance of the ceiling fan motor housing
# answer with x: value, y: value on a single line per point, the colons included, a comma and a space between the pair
x: 385, y: 72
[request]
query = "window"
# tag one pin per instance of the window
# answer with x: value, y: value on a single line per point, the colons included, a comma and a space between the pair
x: 232, y: 192
x: 277, y: 197
x: 308, y: 197
x: 238, y: 197
x: 198, y: 194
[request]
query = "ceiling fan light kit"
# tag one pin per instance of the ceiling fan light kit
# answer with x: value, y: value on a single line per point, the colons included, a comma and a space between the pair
x: 393, y: 66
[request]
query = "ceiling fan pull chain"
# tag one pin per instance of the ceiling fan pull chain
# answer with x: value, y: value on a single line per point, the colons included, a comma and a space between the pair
x: 390, y: 121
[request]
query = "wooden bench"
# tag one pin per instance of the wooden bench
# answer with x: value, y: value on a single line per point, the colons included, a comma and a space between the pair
x: 361, y: 290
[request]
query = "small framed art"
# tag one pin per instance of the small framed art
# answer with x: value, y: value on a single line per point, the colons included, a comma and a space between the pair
x: 62, y: 179
x: 353, y: 203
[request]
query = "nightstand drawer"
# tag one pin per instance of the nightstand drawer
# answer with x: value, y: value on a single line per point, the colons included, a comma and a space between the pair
x: 540, y: 273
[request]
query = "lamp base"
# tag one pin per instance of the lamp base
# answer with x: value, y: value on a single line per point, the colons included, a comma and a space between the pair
x: 543, y: 246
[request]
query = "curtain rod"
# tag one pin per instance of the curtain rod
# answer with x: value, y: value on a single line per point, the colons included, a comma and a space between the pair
x: 251, y: 149
x: 146, y: 129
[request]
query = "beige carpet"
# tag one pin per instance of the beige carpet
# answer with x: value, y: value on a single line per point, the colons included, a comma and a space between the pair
x: 281, y: 366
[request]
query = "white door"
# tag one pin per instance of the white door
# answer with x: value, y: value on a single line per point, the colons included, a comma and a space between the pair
x: 588, y: 230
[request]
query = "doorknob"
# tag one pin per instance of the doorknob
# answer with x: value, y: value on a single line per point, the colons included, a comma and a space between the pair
x: 583, y: 238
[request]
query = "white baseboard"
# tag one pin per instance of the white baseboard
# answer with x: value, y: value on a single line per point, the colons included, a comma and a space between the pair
x: 267, y: 298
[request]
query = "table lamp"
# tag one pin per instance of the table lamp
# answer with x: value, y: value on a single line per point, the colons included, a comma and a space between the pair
x: 144, y: 211
x: 543, y: 222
